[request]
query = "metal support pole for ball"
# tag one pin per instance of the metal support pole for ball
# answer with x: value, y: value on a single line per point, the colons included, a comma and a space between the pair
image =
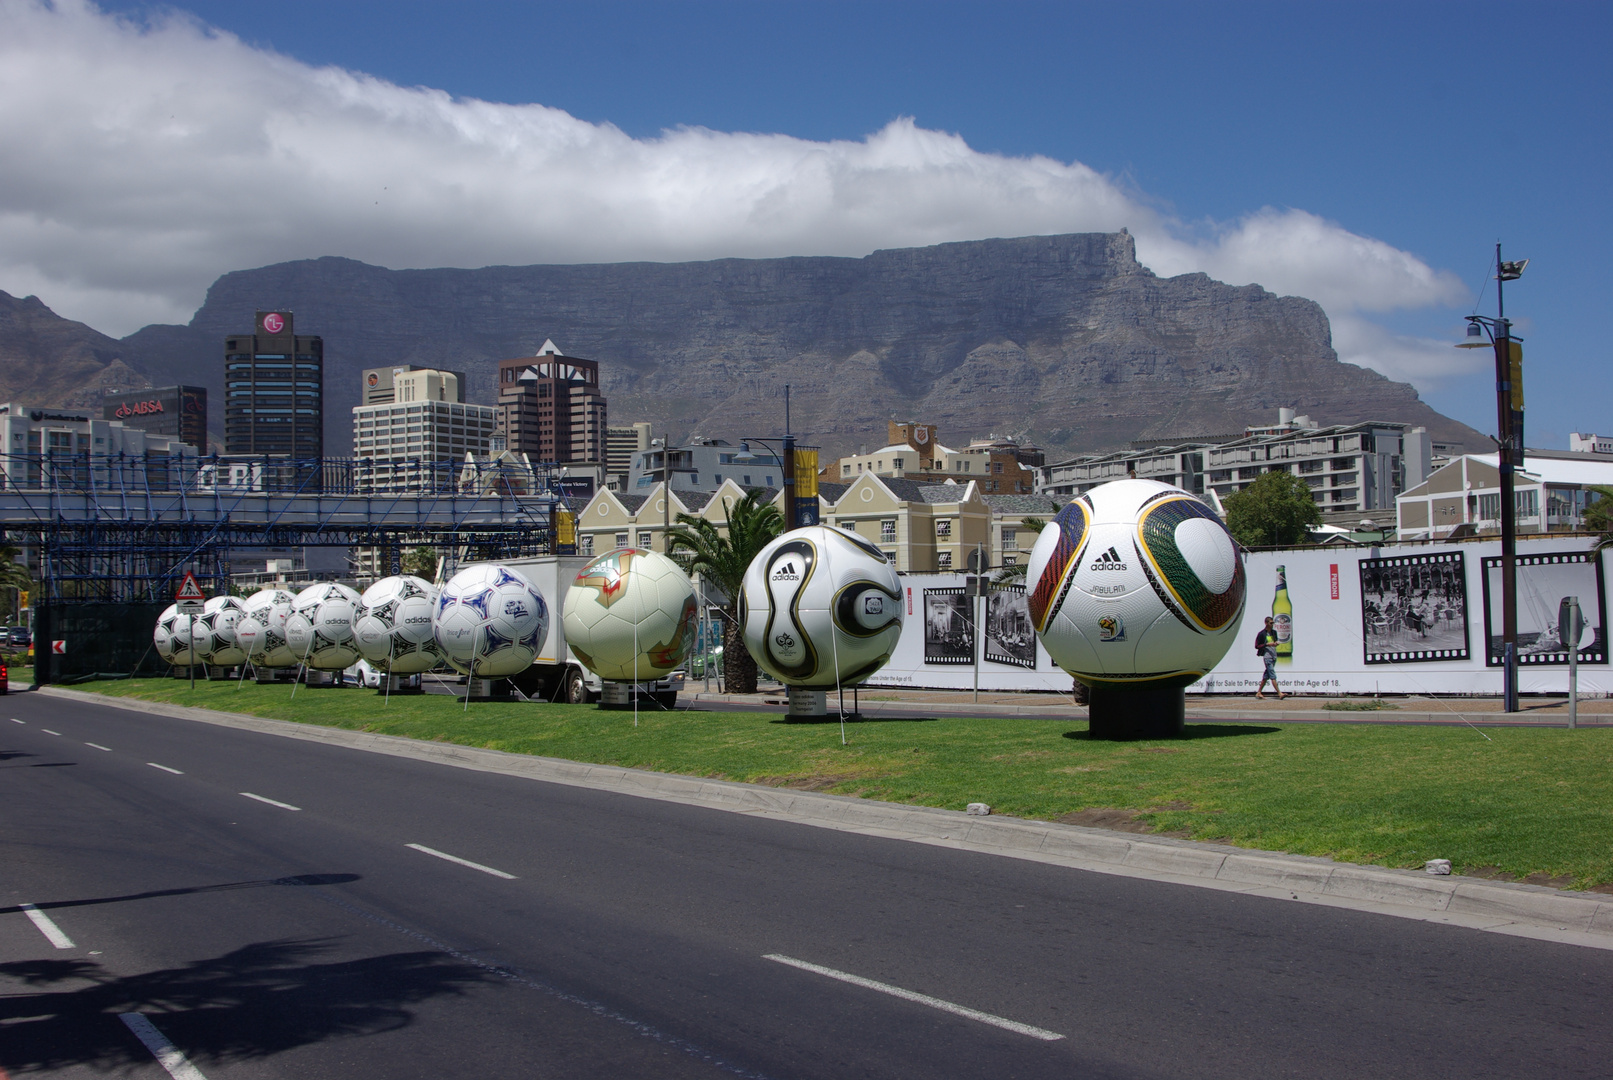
x: 1128, y: 712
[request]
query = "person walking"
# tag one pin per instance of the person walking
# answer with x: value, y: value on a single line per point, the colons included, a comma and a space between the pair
x: 1266, y: 648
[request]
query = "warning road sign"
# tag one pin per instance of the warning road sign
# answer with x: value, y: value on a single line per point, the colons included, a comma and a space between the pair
x: 58, y: 648
x: 190, y: 600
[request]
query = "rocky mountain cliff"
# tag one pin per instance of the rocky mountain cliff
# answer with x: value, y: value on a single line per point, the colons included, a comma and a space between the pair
x: 1066, y: 340
x: 48, y: 360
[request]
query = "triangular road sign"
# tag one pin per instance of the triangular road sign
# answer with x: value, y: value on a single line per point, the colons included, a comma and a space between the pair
x: 190, y: 590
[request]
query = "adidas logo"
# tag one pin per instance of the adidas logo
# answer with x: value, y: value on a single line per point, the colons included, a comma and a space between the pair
x: 787, y: 572
x: 1109, y: 560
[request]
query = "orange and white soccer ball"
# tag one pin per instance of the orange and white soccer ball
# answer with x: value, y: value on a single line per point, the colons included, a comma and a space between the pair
x: 629, y: 616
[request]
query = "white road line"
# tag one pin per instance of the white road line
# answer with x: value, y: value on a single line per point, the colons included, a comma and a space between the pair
x: 14, y: 720
x: 167, y: 1054
x: 461, y: 862
x: 164, y: 768
x: 922, y: 999
x: 48, y: 731
x: 271, y: 802
x: 98, y: 746
x: 52, y: 932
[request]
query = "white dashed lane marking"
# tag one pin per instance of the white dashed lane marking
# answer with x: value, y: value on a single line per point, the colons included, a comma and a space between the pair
x: 52, y: 932
x: 48, y: 731
x: 98, y: 746
x: 167, y: 1054
x: 271, y: 802
x: 165, y: 768
x: 461, y: 862
x: 922, y: 999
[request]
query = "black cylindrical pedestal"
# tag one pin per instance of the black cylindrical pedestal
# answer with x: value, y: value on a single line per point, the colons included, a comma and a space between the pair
x: 1136, y: 712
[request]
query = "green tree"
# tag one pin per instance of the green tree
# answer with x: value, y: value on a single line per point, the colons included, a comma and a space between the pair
x: 722, y: 561
x: 421, y: 562
x: 1598, y: 516
x: 13, y: 575
x: 1274, y: 511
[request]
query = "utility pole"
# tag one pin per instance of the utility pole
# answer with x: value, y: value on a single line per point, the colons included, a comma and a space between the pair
x: 788, y: 466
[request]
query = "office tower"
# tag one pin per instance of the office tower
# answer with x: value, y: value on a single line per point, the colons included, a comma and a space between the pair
x: 274, y: 391
x: 179, y: 411
x: 418, y: 441
x: 378, y: 383
x: 622, y: 445
x: 550, y: 407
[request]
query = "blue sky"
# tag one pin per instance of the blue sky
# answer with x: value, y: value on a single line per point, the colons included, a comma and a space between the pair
x: 1432, y: 129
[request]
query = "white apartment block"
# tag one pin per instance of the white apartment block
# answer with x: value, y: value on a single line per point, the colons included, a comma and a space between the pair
x: 416, y: 442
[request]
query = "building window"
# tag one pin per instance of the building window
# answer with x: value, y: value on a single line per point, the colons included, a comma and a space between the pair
x: 1310, y: 466
x: 621, y: 540
x: 943, y: 528
x: 849, y: 526
x: 1342, y: 463
x: 943, y: 560
x: 887, y: 531
x: 587, y: 547
x: 1010, y: 559
x: 1249, y: 474
x: 1218, y: 476
x: 896, y: 463
x: 644, y: 539
x: 1010, y: 540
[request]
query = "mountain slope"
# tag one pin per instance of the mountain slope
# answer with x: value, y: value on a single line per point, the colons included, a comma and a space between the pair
x: 48, y: 360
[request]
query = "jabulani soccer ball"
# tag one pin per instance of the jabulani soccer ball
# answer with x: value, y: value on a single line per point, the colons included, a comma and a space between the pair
x: 393, y: 630
x: 172, y: 637
x: 212, y: 634
x: 630, y: 616
x: 319, y: 630
x: 1136, y: 583
x: 261, y: 633
x: 491, y: 621
x: 821, y: 608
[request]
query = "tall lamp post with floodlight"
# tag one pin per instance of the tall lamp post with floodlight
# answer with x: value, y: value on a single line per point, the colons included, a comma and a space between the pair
x: 1496, y: 333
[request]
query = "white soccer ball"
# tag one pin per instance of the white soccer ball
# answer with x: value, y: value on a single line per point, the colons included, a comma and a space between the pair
x: 261, y: 633
x: 1136, y: 583
x: 393, y: 630
x: 212, y: 634
x: 319, y: 630
x: 630, y: 615
x: 821, y: 608
x: 491, y: 621
x: 172, y: 637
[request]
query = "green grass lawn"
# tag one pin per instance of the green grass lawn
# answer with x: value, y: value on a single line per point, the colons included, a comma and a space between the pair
x: 1522, y: 803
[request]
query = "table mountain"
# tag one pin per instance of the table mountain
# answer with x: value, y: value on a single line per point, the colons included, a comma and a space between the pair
x: 1067, y: 340
x: 48, y: 360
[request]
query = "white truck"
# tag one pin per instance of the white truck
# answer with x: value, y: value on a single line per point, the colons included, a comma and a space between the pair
x: 557, y: 675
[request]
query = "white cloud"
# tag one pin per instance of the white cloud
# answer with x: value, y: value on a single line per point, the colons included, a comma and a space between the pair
x: 138, y: 161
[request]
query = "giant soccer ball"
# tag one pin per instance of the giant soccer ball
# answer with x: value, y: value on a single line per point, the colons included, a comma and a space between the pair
x: 821, y: 608
x: 319, y: 630
x: 172, y: 637
x: 630, y: 615
x: 212, y: 633
x: 491, y: 621
x: 1136, y: 584
x: 393, y: 630
x: 261, y: 633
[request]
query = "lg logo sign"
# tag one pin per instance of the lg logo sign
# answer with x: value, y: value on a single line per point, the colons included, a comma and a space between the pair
x: 274, y: 323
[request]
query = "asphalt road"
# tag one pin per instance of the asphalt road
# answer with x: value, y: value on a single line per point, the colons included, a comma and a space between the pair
x: 632, y: 938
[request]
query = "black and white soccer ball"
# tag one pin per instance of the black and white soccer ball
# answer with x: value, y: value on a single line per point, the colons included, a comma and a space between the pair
x: 320, y: 628
x: 821, y: 608
x: 491, y: 621
x: 393, y: 629
x: 261, y: 633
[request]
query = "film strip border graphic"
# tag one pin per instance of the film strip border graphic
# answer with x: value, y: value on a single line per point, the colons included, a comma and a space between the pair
x: 1412, y: 656
x: 948, y: 657
x: 1593, y: 652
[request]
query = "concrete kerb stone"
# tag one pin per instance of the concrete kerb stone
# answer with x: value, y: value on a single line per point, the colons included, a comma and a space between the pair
x: 1528, y: 910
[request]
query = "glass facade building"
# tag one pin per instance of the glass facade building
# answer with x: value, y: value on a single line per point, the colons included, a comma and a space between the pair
x: 274, y: 386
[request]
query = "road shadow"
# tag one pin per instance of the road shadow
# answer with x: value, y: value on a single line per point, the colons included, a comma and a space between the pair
x: 189, y: 890
x: 1192, y: 732
x: 245, y: 1005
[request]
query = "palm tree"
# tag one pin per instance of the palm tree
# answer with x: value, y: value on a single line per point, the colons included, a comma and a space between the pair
x: 13, y: 575
x: 1016, y: 572
x: 722, y: 560
x: 1598, y: 516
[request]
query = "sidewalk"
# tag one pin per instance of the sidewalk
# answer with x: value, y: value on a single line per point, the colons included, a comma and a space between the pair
x: 1543, y: 711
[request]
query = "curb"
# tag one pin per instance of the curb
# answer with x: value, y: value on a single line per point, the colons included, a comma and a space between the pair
x: 1500, y: 907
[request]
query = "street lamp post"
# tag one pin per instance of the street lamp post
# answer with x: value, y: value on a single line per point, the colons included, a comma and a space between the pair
x: 1497, y: 333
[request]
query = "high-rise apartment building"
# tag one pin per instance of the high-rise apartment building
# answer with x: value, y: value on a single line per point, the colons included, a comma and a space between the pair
x: 550, y: 407
x: 418, y: 440
x: 274, y: 391
x: 622, y: 445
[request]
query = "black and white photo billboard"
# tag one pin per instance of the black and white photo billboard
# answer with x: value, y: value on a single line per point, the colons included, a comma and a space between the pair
x: 1543, y: 581
x: 949, y: 631
x: 1414, y: 608
x: 1010, y: 638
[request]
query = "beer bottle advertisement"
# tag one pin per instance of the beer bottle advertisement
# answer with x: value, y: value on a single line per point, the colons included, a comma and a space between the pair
x: 1282, y: 615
